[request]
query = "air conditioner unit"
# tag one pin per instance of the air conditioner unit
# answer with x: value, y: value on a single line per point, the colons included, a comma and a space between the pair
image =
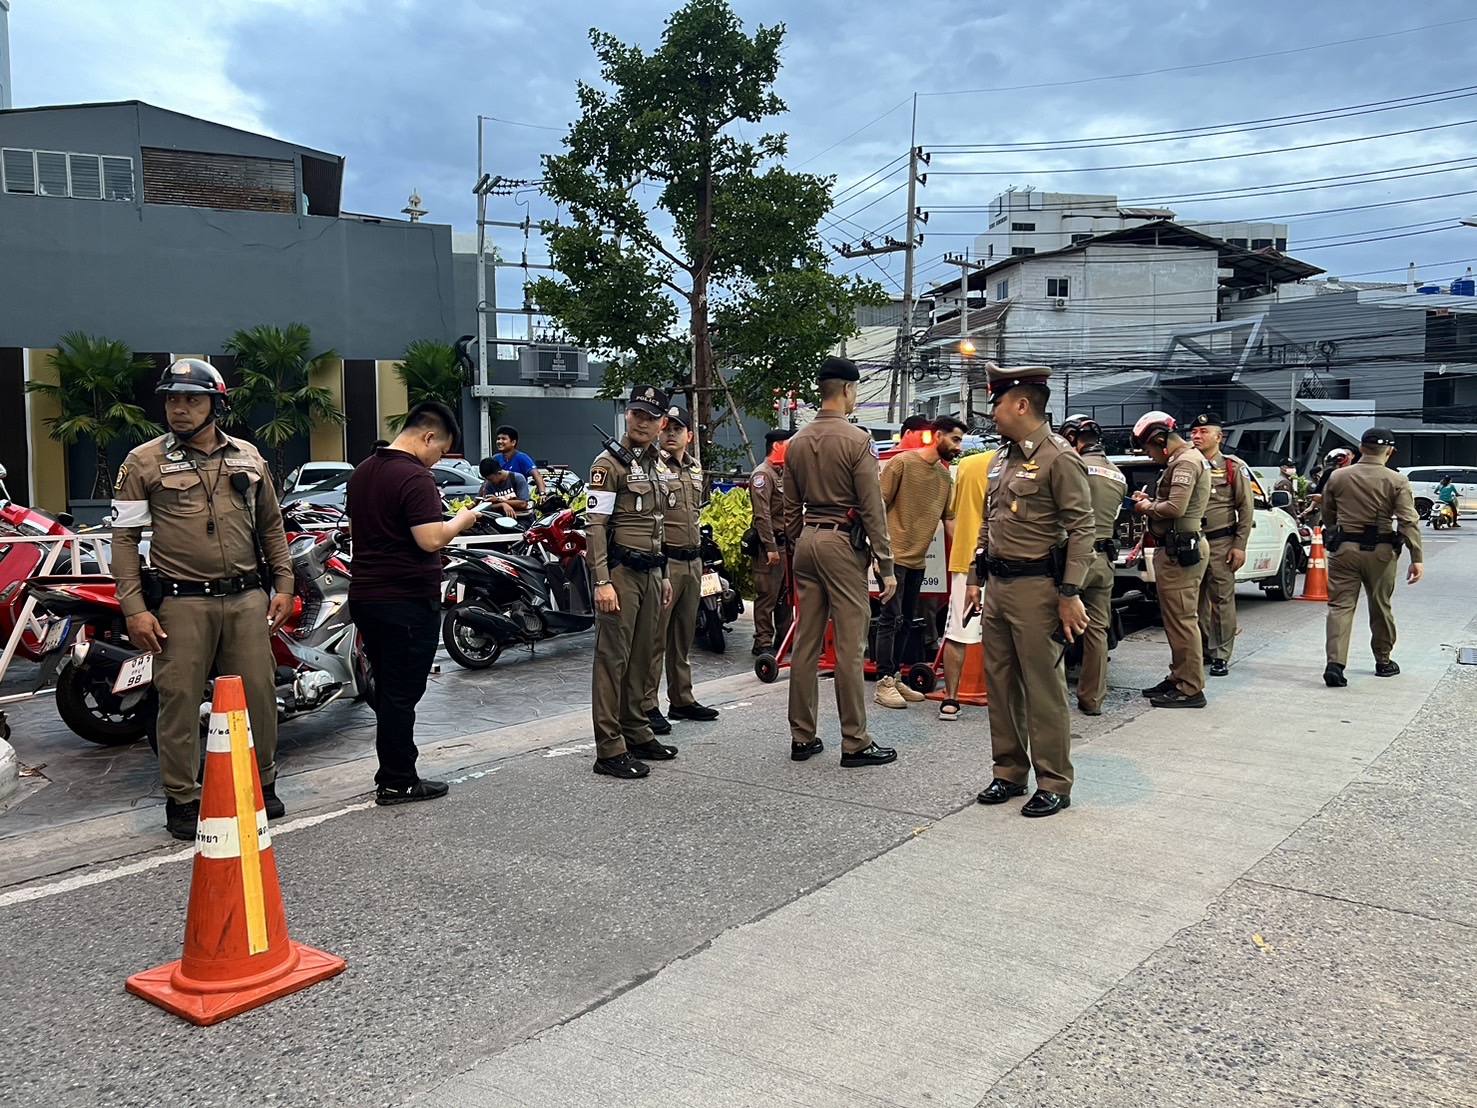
x: 1059, y: 304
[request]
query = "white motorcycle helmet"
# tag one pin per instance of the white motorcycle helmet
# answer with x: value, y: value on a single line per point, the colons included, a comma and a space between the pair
x: 1150, y: 425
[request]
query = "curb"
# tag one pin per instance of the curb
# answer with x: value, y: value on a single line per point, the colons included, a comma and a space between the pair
x: 9, y: 771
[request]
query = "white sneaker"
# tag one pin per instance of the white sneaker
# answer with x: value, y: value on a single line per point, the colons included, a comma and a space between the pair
x: 889, y: 694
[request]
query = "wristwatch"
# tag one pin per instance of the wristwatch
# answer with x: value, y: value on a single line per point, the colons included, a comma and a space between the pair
x: 1068, y: 590
x: 602, y: 584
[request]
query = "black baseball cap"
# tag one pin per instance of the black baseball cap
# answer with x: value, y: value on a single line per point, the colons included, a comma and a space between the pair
x: 1377, y: 436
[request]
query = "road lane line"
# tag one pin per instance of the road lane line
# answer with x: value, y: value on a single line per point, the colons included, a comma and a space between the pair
x: 144, y: 865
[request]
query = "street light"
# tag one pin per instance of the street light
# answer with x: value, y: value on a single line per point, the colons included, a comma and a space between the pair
x: 1469, y: 221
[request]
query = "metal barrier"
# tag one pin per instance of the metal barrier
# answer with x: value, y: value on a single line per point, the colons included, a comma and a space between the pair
x: 74, y: 548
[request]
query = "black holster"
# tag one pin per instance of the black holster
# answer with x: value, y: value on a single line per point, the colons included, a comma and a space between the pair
x: 153, y: 587
x: 1183, y: 547
x: 858, y: 532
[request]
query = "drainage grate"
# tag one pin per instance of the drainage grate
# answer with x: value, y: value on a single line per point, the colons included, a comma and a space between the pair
x: 1467, y: 656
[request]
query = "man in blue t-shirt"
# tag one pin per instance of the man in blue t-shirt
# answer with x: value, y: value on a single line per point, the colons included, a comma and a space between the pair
x: 514, y: 460
x: 509, y: 489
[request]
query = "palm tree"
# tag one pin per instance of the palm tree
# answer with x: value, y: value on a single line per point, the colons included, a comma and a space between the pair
x: 96, y: 378
x: 276, y: 367
x: 429, y: 371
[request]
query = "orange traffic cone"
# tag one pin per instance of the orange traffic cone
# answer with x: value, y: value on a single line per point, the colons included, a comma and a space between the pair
x: 237, y: 953
x: 1315, y: 586
x: 971, y: 678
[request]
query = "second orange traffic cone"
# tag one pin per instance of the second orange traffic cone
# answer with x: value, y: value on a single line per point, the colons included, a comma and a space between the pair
x: 237, y: 953
x: 1315, y: 585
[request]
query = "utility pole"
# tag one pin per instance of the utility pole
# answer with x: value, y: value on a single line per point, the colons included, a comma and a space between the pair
x: 966, y: 346
x: 484, y: 374
x: 903, y: 358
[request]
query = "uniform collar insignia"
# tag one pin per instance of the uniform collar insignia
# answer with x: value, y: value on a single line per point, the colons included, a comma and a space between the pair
x: 1027, y: 445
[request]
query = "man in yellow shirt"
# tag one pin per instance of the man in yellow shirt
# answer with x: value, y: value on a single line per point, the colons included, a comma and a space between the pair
x: 971, y: 486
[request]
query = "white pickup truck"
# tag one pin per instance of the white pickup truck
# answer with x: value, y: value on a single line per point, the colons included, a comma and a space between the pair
x: 1274, y: 554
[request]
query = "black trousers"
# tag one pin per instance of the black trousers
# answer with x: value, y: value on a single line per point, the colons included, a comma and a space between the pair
x: 400, y: 639
x: 897, y: 613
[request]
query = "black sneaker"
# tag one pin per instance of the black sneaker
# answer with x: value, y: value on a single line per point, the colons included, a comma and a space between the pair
x: 1176, y: 699
x: 1386, y: 669
x: 421, y: 790
x: 693, y: 711
x: 1333, y: 676
x: 623, y: 766
x: 652, y: 751
x: 180, y: 819
x: 660, y: 725
x: 1160, y: 689
x: 274, y: 807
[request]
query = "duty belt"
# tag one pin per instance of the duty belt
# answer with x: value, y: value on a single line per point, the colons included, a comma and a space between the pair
x: 1223, y: 533
x: 635, y: 559
x: 1106, y: 546
x: 229, y: 586
x: 828, y: 525
x: 682, y: 553
x: 999, y: 567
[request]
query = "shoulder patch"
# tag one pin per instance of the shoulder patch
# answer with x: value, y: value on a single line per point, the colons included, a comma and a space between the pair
x: 1063, y: 443
x: 1182, y: 478
x: 599, y: 478
x: 758, y: 481
x: 122, y: 476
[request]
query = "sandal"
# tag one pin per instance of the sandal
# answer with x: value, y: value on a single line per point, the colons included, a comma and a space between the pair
x: 949, y: 709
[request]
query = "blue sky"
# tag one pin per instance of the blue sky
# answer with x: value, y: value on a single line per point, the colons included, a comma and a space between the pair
x: 396, y: 86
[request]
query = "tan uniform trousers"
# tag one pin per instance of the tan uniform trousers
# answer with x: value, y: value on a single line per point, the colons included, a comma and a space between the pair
x: 674, y: 631
x: 768, y: 581
x: 1030, y: 724
x: 1097, y: 598
x: 1218, y: 602
x: 624, y: 641
x: 1375, y: 572
x: 831, y: 582
x: 1179, y: 609
x: 229, y: 633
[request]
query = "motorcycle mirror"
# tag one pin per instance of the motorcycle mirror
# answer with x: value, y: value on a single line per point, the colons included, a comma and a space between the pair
x: 506, y: 523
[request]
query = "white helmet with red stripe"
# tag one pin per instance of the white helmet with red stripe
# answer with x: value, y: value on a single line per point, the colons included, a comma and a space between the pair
x: 1150, y: 425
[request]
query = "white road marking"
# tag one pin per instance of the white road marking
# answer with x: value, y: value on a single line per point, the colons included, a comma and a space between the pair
x: 561, y: 751
x: 144, y: 865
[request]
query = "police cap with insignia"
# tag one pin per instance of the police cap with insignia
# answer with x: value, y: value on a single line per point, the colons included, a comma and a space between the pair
x: 645, y: 398
x: 1004, y: 378
x: 838, y: 369
x: 1377, y: 436
x: 678, y: 414
x: 1207, y: 419
x: 778, y: 435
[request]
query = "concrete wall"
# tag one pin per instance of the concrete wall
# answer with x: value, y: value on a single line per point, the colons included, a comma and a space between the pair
x: 5, y: 93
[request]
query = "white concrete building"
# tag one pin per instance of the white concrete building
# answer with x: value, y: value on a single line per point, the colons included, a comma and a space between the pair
x: 4, y: 54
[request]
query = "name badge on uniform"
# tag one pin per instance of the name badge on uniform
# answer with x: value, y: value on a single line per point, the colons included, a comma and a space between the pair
x: 241, y: 463
x: 176, y: 467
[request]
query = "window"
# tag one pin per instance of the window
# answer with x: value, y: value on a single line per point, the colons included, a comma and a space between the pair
x: 1023, y: 226
x: 1057, y: 286
x: 1451, y: 338
x: 1282, y: 246
x: 1022, y: 251
x: 1002, y: 290
x: 1261, y: 244
x: 1080, y: 238
x: 55, y: 173
x: 1238, y: 242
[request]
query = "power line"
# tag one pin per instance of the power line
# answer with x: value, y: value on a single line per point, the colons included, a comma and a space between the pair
x: 1202, y: 65
x: 900, y: 104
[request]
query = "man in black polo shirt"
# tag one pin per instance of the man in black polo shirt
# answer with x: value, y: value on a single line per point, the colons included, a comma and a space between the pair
x: 399, y: 529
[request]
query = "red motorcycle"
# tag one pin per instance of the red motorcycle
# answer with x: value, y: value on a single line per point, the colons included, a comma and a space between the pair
x: 104, y: 689
x: 18, y: 561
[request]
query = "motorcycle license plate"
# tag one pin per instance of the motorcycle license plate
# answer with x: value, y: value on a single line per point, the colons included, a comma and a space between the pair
x: 712, y: 585
x: 135, y: 674
x: 55, y: 635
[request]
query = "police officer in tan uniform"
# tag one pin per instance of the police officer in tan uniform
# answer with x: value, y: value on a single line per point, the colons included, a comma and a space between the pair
x: 1035, y: 545
x: 1176, y: 521
x: 681, y: 492
x: 833, y: 510
x: 1228, y: 524
x: 1108, y: 487
x: 626, y: 512
x: 766, y: 498
x: 1360, y: 502
x: 210, y: 502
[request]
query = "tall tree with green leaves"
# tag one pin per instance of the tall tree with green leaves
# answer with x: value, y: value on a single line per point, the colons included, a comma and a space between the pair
x: 669, y: 206
x: 276, y: 369
x: 96, y: 378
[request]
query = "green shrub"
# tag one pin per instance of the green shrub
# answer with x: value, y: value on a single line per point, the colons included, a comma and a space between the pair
x: 730, y: 515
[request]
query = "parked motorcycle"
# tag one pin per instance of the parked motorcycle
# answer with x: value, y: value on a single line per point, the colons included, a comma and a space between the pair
x: 496, y: 600
x: 104, y: 689
x: 720, y: 603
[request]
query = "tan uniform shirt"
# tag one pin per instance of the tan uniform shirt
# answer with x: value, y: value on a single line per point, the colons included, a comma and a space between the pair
x: 626, y: 507
x: 1370, y: 494
x: 1039, y: 500
x: 917, y: 492
x: 1230, y: 503
x: 203, y: 529
x: 766, y: 489
x: 1108, y: 487
x: 1184, y: 490
x: 682, y: 500
x: 830, y: 469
